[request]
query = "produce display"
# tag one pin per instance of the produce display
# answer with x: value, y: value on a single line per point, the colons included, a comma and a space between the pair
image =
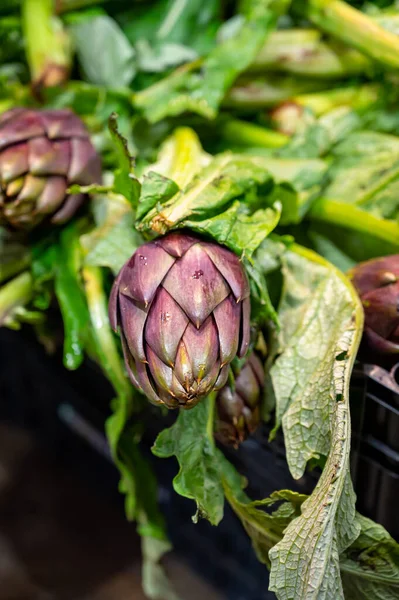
x: 206, y: 196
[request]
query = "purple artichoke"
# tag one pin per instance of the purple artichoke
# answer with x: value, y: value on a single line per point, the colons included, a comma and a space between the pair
x: 377, y: 283
x: 183, y: 308
x: 41, y: 154
x: 238, y: 410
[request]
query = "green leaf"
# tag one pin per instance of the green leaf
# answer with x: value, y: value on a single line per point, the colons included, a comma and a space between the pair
x: 70, y: 296
x: 156, y: 189
x: 104, y: 52
x: 234, y: 228
x: 189, y: 25
x: 320, y: 136
x: 114, y: 239
x: 299, y: 180
x: 365, y: 172
x: 125, y: 182
x: 190, y: 439
x: 154, y: 579
x: 180, y: 157
x: 226, y: 178
x: 321, y: 319
x: 265, y: 529
x: 188, y: 90
x: 370, y: 566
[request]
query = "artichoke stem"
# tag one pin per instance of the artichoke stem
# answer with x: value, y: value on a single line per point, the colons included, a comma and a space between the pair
x: 48, y: 47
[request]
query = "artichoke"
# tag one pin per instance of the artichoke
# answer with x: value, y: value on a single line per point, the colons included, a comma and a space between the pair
x: 377, y: 283
x: 183, y: 308
x: 238, y: 409
x: 43, y: 152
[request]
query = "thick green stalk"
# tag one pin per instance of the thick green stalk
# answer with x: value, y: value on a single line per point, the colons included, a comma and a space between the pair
x: 355, y: 28
x: 14, y: 294
x: 47, y: 44
x: 356, y: 97
x: 253, y: 94
x: 248, y: 134
x: 303, y: 52
x: 356, y: 219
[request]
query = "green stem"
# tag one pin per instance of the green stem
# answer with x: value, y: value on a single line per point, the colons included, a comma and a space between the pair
x: 303, y: 52
x: 242, y: 132
x: 14, y: 294
x: 355, y: 28
x: 264, y: 93
x: 106, y: 348
x: 47, y: 45
x: 351, y: 217
x: 357, y: 97
x: 211, y: 418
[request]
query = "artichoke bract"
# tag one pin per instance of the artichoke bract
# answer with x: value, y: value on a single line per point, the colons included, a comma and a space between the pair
x: 182, y: 306
x: 377, y: 283
x: 43, y: 152
x: 238, y: 409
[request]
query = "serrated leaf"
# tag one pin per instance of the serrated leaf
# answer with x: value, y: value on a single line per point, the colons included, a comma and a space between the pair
x: 321, y: 319
x: 190, y: 439
x: 240, y: 231
x: 370, y: 567
x: 156, y: 189
x: 225, y: 178
x: 265, y: 529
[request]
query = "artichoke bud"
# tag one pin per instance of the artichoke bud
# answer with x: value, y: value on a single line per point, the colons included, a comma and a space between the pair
x: 43, y: 152
x: 238, y: 406
x: 182, y: 308
x: 377, y: 283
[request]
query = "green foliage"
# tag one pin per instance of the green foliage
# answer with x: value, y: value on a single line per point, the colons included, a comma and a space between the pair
x: 188, y: 90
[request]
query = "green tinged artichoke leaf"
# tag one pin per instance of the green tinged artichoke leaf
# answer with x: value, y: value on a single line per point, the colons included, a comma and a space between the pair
x: 190, y: 439
x: 187, y: 89
x: 321, y: 324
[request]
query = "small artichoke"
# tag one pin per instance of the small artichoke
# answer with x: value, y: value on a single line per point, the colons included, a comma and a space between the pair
x: 238, y: 410
x: 182, y: 306
x: 43, y: 152
x: 377, y: 283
